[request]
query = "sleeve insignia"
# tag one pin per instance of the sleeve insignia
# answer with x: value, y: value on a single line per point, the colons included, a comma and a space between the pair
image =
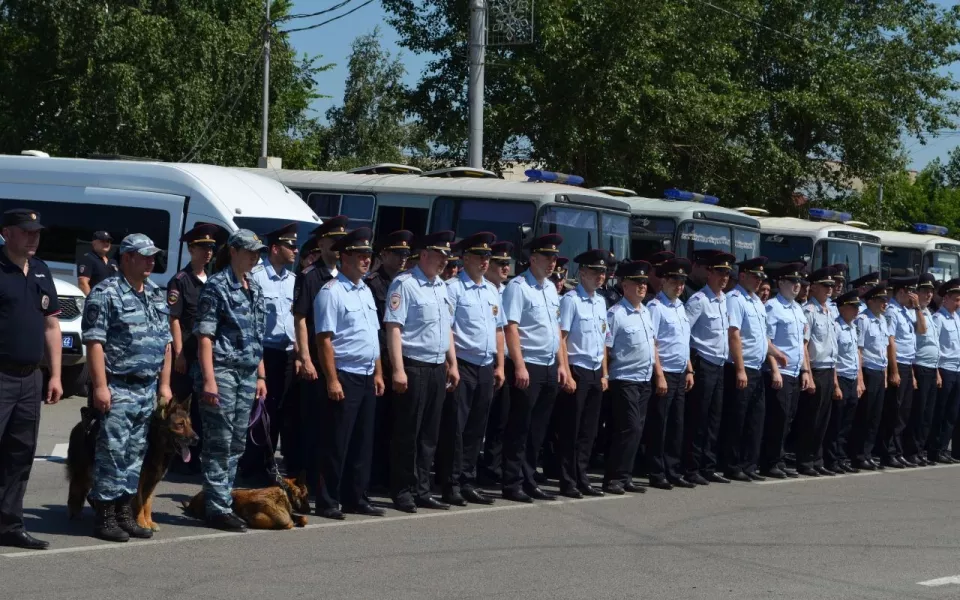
x: 395, y: 301
x: 172, y: 297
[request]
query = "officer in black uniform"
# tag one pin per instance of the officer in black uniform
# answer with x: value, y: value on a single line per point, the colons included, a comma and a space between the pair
x: 95, y: 266
x: 29, y: 330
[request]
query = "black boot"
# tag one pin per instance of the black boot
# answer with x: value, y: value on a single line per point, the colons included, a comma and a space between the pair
x: 126, y: 521
x: 106, y: 527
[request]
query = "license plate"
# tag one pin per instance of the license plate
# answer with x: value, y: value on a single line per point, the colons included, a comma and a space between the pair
x: 67, y: 342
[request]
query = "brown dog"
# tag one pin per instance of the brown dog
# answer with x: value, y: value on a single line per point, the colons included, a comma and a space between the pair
x: 263, y: 508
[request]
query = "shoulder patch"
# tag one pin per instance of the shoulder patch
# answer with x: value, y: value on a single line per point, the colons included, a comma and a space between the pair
x: 395, y: 299
x: 92, y: 312
x: 82, y: 269
x: 206, y: 304
x: 328, y: 284
x: 173, y: 296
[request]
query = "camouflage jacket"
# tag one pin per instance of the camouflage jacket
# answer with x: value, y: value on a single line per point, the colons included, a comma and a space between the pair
x: 234, y: 318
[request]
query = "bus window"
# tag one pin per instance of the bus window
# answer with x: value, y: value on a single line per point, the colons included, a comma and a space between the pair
x: 395, y: 218
x: 578, y: 228
x: 944, y: 265
x: 746, y: 244
x: 615, y: 236
x: 782, y: 249
x: 467, y: 216
x: 897, y: 261
x: 869, y: 258
x: 649, y: 235
x: 358, y: 207
x: 702, y: 236
x: 832, y: 252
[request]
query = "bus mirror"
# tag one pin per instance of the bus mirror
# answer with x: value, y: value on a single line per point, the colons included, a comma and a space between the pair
x: 525, y: 234
x: 805, y: 258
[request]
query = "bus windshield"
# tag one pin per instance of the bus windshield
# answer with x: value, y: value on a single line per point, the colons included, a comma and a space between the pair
x: 615, y: 235
x: 467, y: 216
x: 869, y: 258
x: 743, y: 243
x: 579, y: 228
x: 782, y: 249
x: 649, y: 235
x: 943, y: 265
x: 898, y: 261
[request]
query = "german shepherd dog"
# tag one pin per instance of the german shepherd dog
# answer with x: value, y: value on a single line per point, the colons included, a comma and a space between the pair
x: 171, y: 432
x: 264, y: 508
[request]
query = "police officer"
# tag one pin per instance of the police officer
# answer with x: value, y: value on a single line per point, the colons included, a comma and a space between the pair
x: 454, y: 265
x: 309, y: 253
x: 424, y: 363
x: 948, y: 397
x: 839, y: 288
x: 654, y: 283
x: 875, y: 340
x: 537, y: 367
x: 96, y: 265
x: 863, y: 285
x: 709, y: 342
x: 279, y: 357
x: 583, y: 328
x: 126, y: 331
x: 230, y: 372
x: 671, y: 329
x: 610, y: 291
x: 788, y: 369
x: 29, y: 331
x: 928, y: 378
x: 346, y: 330
x: 850, y: 384
x: 698, y: 273
x: 478, y: 322
x: 763, y: 292
x: 814, y: 407
x: 743, y: 404
x: 559, y: 276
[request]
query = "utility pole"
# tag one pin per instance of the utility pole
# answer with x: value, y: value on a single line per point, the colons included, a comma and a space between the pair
x: 266, y: 86
x: 478, y: 17
x: 880, y: 204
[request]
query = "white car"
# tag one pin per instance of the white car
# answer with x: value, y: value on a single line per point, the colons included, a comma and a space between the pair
x: 73, y: 353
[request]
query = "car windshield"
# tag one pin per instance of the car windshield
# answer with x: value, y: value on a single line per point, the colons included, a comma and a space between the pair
x: 579, y: 228
x: 897, y: 261
x: 781, y: 249
x: 943, y: 265
x: 616, y: 235
x: 703, y: 236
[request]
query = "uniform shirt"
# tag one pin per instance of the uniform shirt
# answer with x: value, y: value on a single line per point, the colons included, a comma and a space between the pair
x: 949, y: 326
x: 535, y: 308
x: 902, y: 324
x: 928, y: 344
x: 786, y: 328
x: 477, y: 315
x: 92, y: 266
x: 708, y: 325
x: 132, y: 326
x: 747, y: 313
x: 379, y: 282
x: 423, y: 310
x: 348, y: 311
x: 234, y: 318
x: 630, y: 338
x: 305, y: 291
x: 821, y: 334
x: 874, y: 339
x: 832, y: 307
x: 25, y: 302
x: 183, y: 295
x: 848, y: 357
x: 584, y: 318
x: 671, y: 329
x: 278, y: 301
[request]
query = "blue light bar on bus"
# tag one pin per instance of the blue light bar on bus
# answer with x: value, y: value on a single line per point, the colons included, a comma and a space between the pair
x: 675, y: 194
x: 550, y: 176
x: 930, y: 229
x: 825, y: 214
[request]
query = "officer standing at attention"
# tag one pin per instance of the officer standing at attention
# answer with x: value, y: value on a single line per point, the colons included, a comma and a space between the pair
x: 784, y: 379
x: 813, y: 409
x: 279, y: 358
x: 710, y: 345
x: 850, y: 384
x: 95, y: 266
x: 875, y: 340
x: 230, y: 373
x: 537, y: 367
x: 478, y: 337
x: 29, y: 331
x: 126, y: 331
x: 654, y: 283
x: 743, y: 406
x: 948, y: 397
x: 583, y: 330
x: 347, y: 327
x: 865, y: 284
x: 559, y: 276
x: 309, y: 253
x: 424, y: 363
x: 928, y: 378
x: 839, y: 288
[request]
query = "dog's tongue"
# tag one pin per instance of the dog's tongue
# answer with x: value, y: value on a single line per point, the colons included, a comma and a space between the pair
x: 185, y: 454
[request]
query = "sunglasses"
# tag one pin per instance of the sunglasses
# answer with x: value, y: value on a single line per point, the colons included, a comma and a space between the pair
x: 501, y: 263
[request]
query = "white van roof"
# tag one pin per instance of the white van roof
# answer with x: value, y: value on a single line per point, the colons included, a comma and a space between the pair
x: 793, y: 225
x: 683, y: 210
x: 913, y: 240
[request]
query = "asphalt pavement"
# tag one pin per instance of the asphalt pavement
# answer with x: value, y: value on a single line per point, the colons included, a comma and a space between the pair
x: 890, y: 535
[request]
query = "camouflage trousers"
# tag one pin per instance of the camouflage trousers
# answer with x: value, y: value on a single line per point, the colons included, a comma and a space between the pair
x: 122, y: 441
x: 224, y: 433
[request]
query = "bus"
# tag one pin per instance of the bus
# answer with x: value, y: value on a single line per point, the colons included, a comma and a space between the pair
x: 389, y: 197
x: 925, y: 251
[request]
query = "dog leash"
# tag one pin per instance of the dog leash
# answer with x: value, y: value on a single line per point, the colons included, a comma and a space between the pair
x: 261, y: 416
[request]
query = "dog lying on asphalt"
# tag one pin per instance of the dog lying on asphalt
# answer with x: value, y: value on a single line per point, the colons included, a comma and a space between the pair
x: 272, y: 507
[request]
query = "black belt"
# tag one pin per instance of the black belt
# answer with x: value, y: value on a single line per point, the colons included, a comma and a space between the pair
x: 137, y: 379
x: 409, y: 362
x: 17, y: 370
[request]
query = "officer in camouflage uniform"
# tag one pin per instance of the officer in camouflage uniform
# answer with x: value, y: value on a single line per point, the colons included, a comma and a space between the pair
x: 231, y: 322
x: 128, y: 347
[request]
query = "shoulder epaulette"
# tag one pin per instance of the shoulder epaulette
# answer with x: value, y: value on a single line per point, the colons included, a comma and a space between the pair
x: 307, y: 270
x: 403, y: 276
x: 328, y: 284
x: 257, y: 269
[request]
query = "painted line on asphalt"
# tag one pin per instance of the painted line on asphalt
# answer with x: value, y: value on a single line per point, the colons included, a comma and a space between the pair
x: 887, y: 471
x: 58, y: 455
x: 954, y: 580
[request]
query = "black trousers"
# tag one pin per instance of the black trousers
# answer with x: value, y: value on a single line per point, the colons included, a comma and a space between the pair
x: 704, y: 408
x: 896, y: 414
x: 181, y: 384
x: 577, y: 416
x: 813, y: 416
x: 841, y: 421
x: 20, y: 400
x: 944, y: 414
x: 869, y: 410
x: 491, y: 463
x: 664, y: 429
x: 416, y: 429
x: 383, y: 425
x: 781, y: 407
x: 628, y: 411
x: 741, y: 426
x: 313, y: 396
x: 278, y: 367
x: 462, y: 424
x: 921, y: 415
x: 527, y: 423
x: 347, y: 443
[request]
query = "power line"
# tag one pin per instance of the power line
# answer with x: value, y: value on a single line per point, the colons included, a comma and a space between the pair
x: 330, y: 20
x: 313, y: 14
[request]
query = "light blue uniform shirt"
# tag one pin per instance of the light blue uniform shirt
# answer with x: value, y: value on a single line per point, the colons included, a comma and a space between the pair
x: 928, y: 344
x: 671, y: 329
x: 347, y: 310
x: 535, y: 308
x: 786, y: 328
x: 584, y: 318
x: 902, y: 325
x: 949, y: 324
x: 707, y: 313
x: 278, y: 299
x: 874, y: 339
x: 423, y: 310
x: 630, y: 338
x: 821, y: 335
x: 832, y: 307
x: 848, y: 357
x: 477, y: 316
x: 747, y: 313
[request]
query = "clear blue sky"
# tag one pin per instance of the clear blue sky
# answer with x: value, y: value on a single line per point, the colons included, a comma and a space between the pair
x: 333, y: 41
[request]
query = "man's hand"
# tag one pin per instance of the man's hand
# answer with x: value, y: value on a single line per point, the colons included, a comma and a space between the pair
x: 688, y: 384
x: 780, y: 357
x: 567, y: 382
x: 180, y: 364
x: 860, y: 388
x: 164, y: 395
x: 837, y: 392
x: 895, y: 379
x: 335, y: 390
x: 54, y: 391
x: 101, y: 399
x: 378, y: 386
x: 308, y: 371
x: 499, y: 378
x: 806, y: 383
x: 604, y: 383
x: 661, y: 385
x: 400, y: 381
x: 521, y: 378
x: 453, y: 378
x: 297, y: 367
x: 211, y: 394
x: 261, y: 389
x: 776, y: 380
x: 741, y: 379
x: 939, y: 380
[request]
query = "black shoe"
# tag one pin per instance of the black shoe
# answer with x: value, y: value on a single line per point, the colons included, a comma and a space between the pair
x: 715, y: 477
x: 697, y: 479
x: 366, y: 510
x: 946, y: 458
x: 537, y: 494
x: 910, y: 461
x: 227, y: 522
x: 808, y: 472
x: 754, y: 476
x: 614, y: 487
x: 775, y: 473
x: 516, y: 496
x: 126, y: 521
x: 661, y: 484
x: 589, y: 490
x: 893, y: 462
x: 572, y: 493
x: 879, y: 465
x: 682, y: 483
x: 454, y: 499
x: 634, y: 488
x: 864, y: 465
x: 22, y: 539
x: 431, y: 502
x: 792, y: 474
x: 105, y: 527
x: 405, y: 505
x: 331, y: 513
x: 825, y: 471
x: 848, y: 467
x: 737, y: 476
x: 474, y: 496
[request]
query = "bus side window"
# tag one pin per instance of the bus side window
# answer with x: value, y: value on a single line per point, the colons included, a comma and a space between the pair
x: 393, y: 218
